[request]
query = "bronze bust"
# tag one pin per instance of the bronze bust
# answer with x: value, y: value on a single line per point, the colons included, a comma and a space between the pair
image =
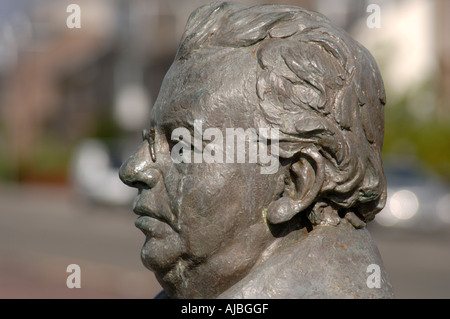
x: 224, y: 228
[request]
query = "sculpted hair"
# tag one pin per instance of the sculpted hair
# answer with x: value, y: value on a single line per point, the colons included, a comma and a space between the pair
x: 318, y: 86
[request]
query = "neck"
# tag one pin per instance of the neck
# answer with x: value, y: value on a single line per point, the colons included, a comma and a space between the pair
x: 211, y: 276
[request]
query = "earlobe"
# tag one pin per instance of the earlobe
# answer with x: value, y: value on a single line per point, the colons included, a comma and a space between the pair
x: 308, y: 177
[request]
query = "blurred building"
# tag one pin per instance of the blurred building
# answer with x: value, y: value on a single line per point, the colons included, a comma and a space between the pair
x: 55, y: 84
x: 59, y: 86
x: 443, y: 56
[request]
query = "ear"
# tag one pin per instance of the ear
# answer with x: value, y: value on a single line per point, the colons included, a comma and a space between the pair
x: 307, y: 174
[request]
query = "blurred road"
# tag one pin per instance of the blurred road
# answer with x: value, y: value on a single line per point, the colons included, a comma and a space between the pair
x: 43, y: 230
x: 418, y: 263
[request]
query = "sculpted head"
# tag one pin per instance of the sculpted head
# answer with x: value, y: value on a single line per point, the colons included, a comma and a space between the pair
x: 265, y: 67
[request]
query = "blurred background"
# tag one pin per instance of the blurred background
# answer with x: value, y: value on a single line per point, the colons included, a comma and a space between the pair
x: 73, y: 102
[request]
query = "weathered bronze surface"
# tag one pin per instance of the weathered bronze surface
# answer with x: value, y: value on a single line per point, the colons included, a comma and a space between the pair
x: 227, y: 230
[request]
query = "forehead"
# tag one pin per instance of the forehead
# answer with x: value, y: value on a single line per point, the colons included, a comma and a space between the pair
x: 215, y: 86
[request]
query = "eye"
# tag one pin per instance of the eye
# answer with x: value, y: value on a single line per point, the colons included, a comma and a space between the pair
x: 173, y: 142
x: 180, y: 147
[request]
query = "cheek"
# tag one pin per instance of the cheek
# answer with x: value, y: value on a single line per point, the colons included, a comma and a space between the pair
x: 216, y: 206
x: 203, y: 235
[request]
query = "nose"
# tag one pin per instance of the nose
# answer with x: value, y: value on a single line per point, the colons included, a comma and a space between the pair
x: 137, y: 170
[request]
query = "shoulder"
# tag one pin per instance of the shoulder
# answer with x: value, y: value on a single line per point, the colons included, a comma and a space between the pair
x: 330, y: 262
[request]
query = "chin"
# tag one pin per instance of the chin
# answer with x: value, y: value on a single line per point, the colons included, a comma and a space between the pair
x: 160, y: 255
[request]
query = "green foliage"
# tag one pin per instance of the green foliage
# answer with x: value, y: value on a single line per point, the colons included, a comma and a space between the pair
x: 49, y: 162
x: 106, y: 129
x: 426, y: 139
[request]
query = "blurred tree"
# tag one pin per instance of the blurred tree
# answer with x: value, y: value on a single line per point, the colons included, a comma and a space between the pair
x: 408, y: 132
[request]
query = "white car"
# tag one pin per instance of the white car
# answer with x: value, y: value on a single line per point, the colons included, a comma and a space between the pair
x: 95, y: 174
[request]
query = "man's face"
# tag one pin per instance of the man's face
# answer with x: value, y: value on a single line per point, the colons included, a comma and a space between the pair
x: 201, y: 213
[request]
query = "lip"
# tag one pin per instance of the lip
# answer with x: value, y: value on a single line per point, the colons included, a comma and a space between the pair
x: 149, y: 222
x: 141, y: 210
x: 151, y: 227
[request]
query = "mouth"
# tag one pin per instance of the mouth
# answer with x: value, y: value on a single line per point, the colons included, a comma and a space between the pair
x: 139, y: 208
x: 152, y: 227
x: 143, y: 211
x: 149, y: 222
